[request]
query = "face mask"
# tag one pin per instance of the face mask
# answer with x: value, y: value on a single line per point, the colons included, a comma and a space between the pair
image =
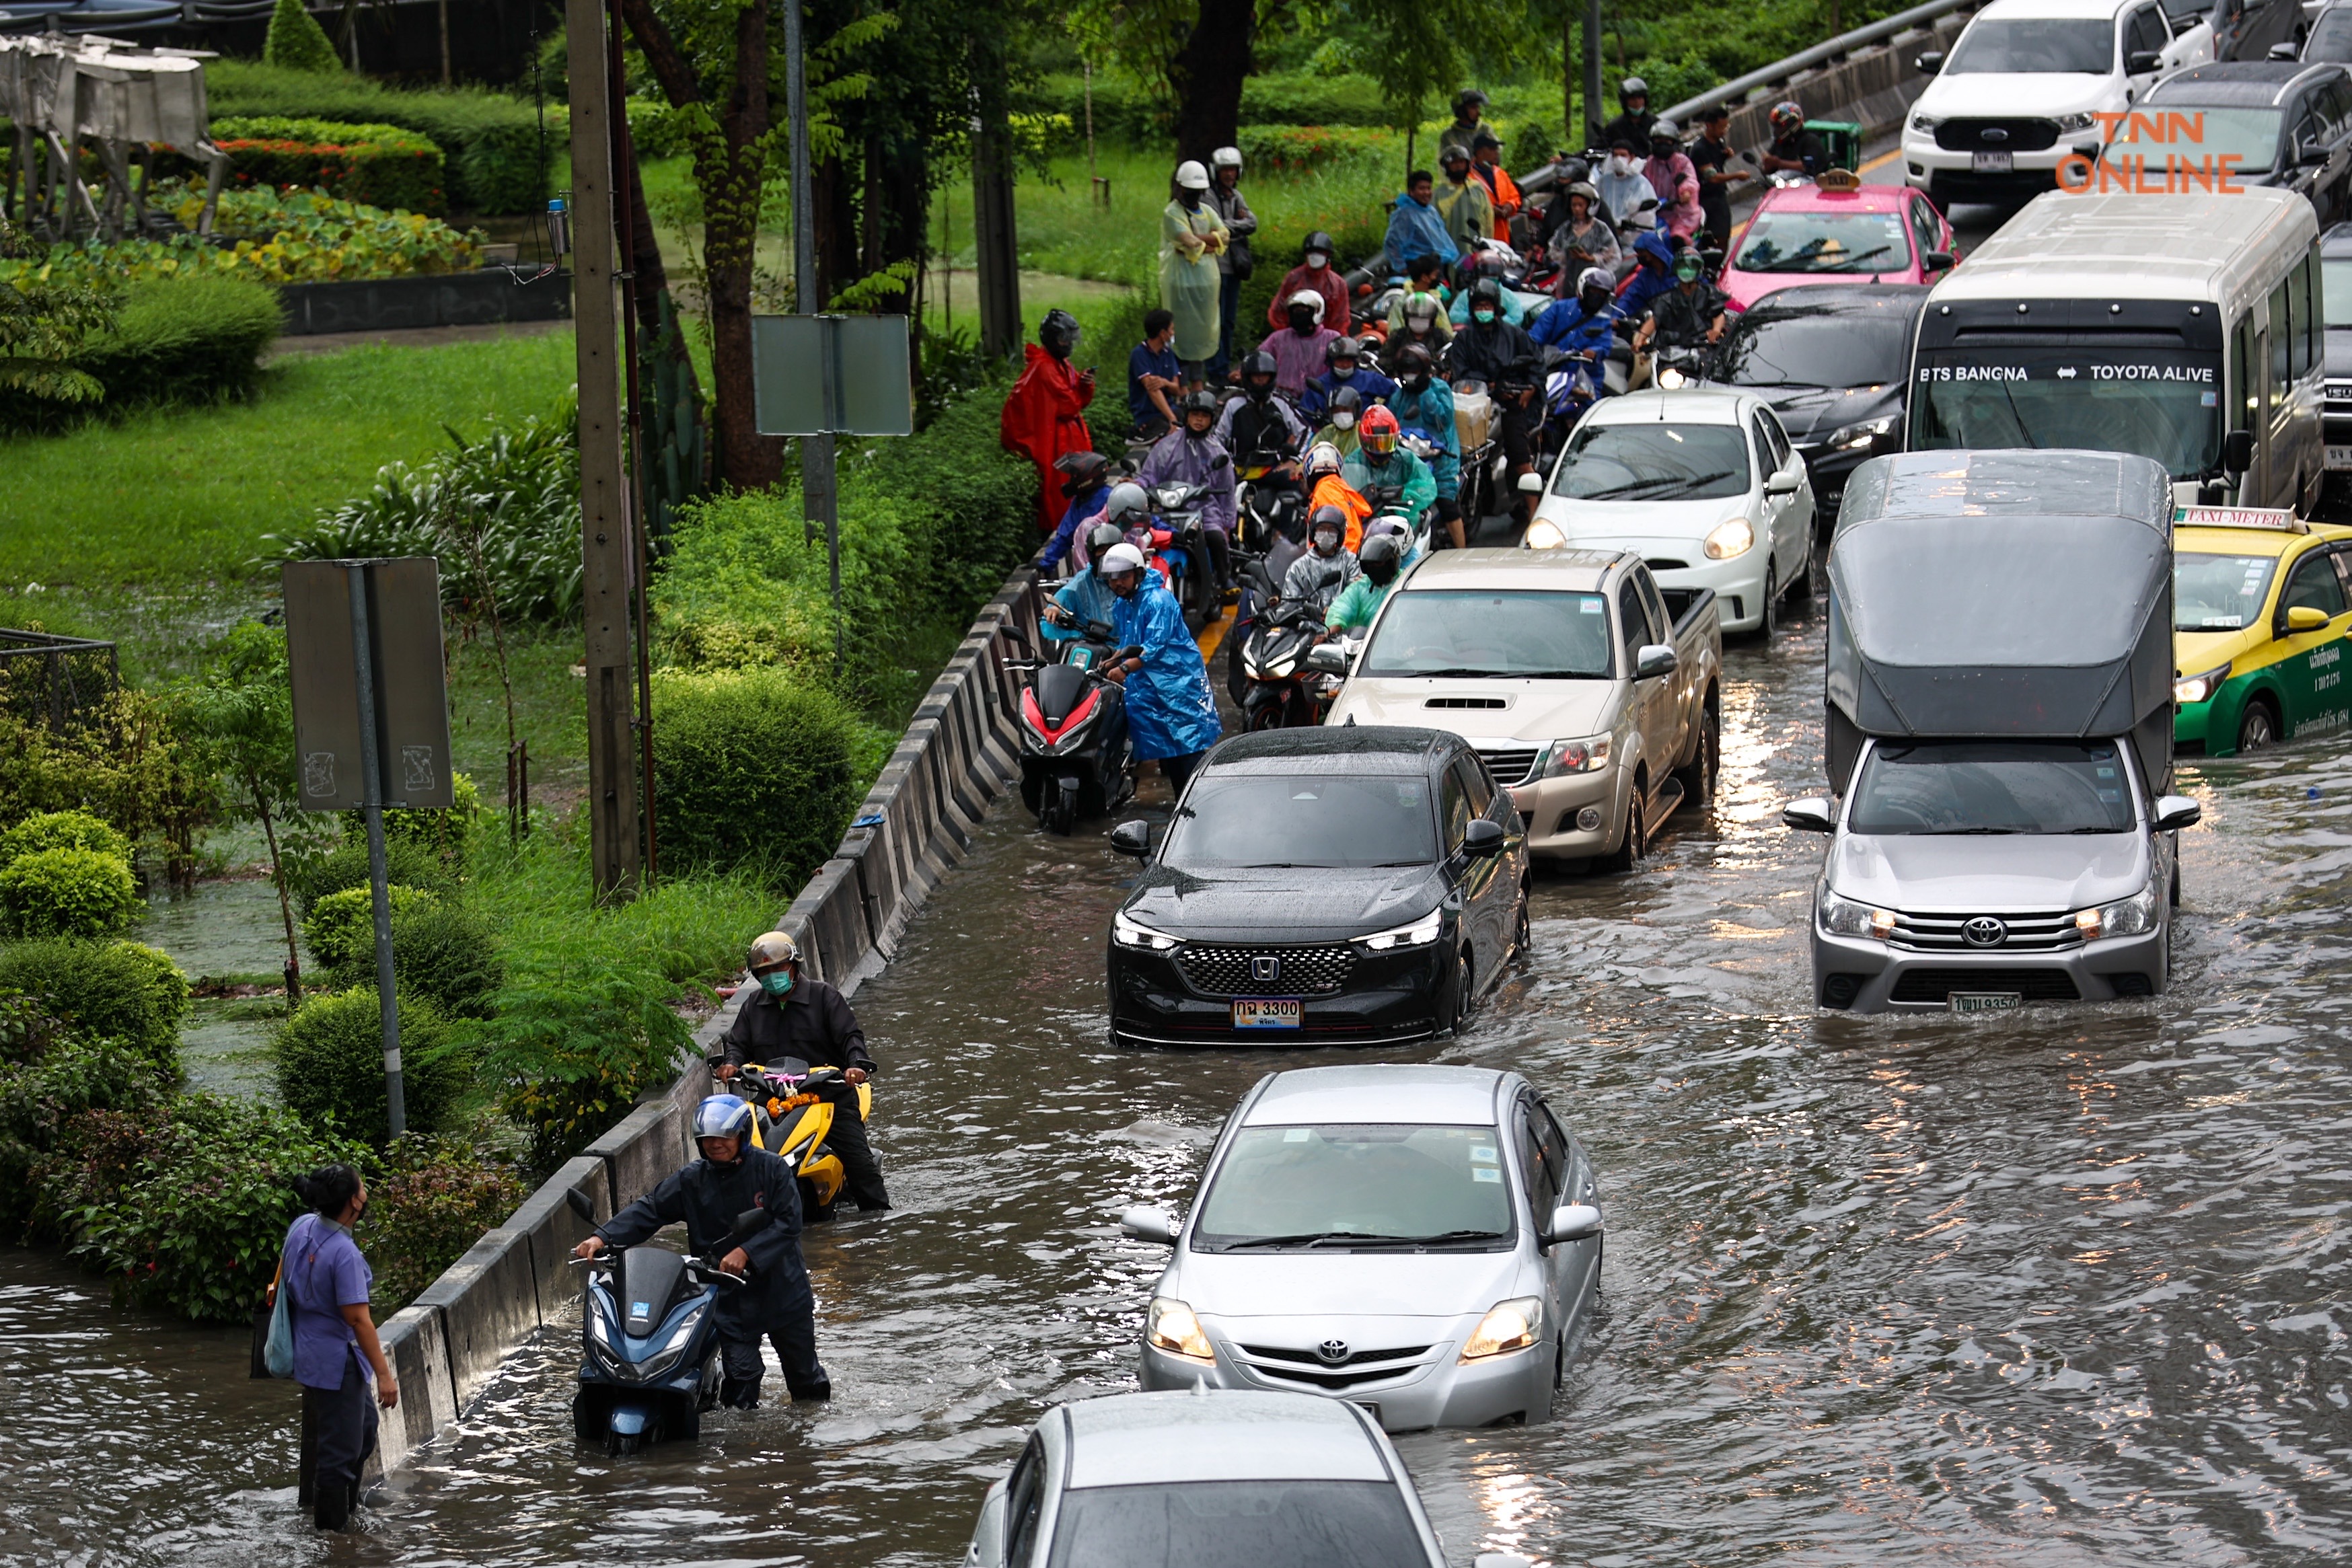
x: 1416, y: 382
x: 1302, y: 323
x: 1327, y: 544
x: 1343, y: 418
x: 361, y: 1213
x: 776, y: 982
x: 1316, y: 261
x: 1620, y: 165
x: 1484, y: 318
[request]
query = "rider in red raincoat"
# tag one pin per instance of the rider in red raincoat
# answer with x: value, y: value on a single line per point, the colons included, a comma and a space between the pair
x: 1044, y: 415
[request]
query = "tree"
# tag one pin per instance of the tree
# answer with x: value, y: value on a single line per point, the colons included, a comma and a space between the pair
x: 244, y: 708
x: 296, y: 41
x: 43, y: 327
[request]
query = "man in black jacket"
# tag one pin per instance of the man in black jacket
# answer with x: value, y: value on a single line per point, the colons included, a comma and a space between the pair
x: 791, y: 1015
x: 1490, y: 350
x: 774, y: 1300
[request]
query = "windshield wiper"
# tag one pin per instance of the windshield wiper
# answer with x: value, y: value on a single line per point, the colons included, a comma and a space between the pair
x: 1558, y: 675
x: 1457, y: 672
x: 2099, y: 830
x: 1442, y: 1237
x: 1951, y: 832
x: 1304, y: 1238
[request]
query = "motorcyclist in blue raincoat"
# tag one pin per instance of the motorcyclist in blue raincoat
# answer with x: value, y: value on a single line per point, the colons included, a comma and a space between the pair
x: 1087, y: 484
x: 1655, y: 276
x: 1346, y: 360
x: 1085, y: 597
x: 1424, y: 403
x: 1171, y: 712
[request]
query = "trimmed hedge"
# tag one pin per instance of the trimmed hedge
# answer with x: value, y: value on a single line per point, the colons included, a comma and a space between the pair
x: 330, y: 1064
x: 1124, y: 112
x: 118, y: 990
x: 489, y: 142
x: 380, y: 165
x: 297, y: 42
x: 186, y: 340
x: 68, y: 892
x: 754, y: 768
x: 62, y: 831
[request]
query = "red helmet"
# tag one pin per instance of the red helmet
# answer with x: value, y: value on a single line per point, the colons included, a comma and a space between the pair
x: 1377, y: 431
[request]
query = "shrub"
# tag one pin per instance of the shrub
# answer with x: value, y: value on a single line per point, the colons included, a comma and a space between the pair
x: 296, y: 42
x: 753, y: 768
x: 572, y: 1045
x: 441, y: 951
x: 118, y: 990
x: 341, y: 927
x: 330, y: 1064
x: 62, y: 831
x: 429, y: 1203
x: 446, y: 835
x: 68, y: 893
x: 40, y: 1095
x: 345, y: 866
x: 382, y: 165
x: 126, y: 758
x: 1295, y: 149
x: 186, y: 339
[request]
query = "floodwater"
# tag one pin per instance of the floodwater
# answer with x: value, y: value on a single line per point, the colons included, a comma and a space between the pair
x: 2066, y: 1287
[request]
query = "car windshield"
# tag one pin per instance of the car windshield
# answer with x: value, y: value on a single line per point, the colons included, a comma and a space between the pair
x: 1464, y: 633
x: 1847, y: 242
x: 2186, y: 12
x: 2082, y: 45
x: 1792, y: 346
x: 1374, y: 1183
x: 1642, y: 462
x: 1993, y: 786
x: 2336, y: 289
x: 1237, y: 1524
x: 2331, y: 37
x: 1328, y: 820
x: 2220, y: 592
x: 2163, y: 403
x: 2249, y: 135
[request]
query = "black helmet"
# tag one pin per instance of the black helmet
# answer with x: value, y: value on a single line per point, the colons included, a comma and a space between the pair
x: 1468, y: 96
x: 1081, y: 470
x: 1632, y: 87
x: 1413, y: 360
x: 1347, y: 400
x: 1343, y: 349
x: 1487, y: 289
x: 1100, y: 538
x: 1455, y: 152
x: 1058, y: 334
x: 1259, y: 364
x: 1380, y: 557
x: 1318, y: 240
x: 1200, y: 400
x: 1330, y: 517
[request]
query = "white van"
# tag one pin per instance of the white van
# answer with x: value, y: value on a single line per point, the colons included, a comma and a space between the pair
x: 2189, y: 328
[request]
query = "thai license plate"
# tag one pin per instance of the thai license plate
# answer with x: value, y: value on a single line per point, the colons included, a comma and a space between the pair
x: 1266, y: 1012
x: 1990, y: 163
x: 1984, y: 1001
x: 2339, y: 457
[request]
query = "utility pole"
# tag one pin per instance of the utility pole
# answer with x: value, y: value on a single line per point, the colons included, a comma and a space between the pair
x: 614, y: 846
x: 820, y: 494
x: 1591, y: 67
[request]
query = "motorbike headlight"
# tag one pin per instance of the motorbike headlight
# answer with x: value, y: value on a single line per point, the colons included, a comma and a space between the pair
x: 1282, y: 670
x: 1844, y: 917
x: 1127, y: 934
x: 1733, y: 537
x: 1171, y: 1326
x: 1507, y: 1325
x: 2083, y: 121
x: 2133, y: 916
x: 1671, y: 378
x: 1590, y: 755
x: 1926, y: 121
x: 1170, y: 496
x: 1854, y: 437
x: 2198, y: 688
x: 1544, y: 534
x: 1419, y: 933
x: 598, y: 1330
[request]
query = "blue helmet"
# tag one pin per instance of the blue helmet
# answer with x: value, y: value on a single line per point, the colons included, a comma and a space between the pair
x: 722, y: 1116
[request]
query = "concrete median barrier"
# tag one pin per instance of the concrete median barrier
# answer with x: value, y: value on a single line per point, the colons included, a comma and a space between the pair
x: 489, y: 1301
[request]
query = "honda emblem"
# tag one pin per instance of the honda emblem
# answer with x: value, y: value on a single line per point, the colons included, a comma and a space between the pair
x: 1266, y: 969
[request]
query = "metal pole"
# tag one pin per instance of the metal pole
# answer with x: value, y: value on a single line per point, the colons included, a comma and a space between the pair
x: 1591, y: 66
x: 395, y: 1108
x: 820, y: 498
x: 625, y: 156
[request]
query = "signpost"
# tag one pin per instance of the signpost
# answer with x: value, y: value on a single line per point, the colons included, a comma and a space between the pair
x: 371, y: 721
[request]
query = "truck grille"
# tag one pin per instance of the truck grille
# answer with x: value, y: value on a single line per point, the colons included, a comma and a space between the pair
x: 1298, y: 971
x: 1938, y: 985
x: 1510, y: 765
x: 2017, y: 135
x: 1942, y: 932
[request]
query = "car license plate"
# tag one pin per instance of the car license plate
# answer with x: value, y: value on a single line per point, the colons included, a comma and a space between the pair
x: 1984, y: 1001
x: 1266, y: 1012
x: 1990, y: 163
x: 2339, y: 457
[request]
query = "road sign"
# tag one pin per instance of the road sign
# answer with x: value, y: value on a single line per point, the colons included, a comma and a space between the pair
x: 832, y: 375
x: 401, y: 600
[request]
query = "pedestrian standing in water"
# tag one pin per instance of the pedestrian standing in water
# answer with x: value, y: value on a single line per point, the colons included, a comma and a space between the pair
x: 338, y: 1359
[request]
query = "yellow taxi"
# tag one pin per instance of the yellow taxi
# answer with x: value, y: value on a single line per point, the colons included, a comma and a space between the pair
x: 2262, y: 605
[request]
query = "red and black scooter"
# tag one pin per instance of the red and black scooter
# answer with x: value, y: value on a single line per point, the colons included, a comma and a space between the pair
x: 1076, y: 757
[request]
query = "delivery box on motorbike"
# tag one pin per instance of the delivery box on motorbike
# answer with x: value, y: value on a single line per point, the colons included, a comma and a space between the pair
x: 1474, y: 415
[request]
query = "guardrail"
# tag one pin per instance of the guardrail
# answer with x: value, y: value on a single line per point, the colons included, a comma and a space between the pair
x: 1779, y: 72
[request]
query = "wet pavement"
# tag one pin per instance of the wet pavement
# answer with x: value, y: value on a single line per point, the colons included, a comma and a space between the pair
x: 2066, y: 1286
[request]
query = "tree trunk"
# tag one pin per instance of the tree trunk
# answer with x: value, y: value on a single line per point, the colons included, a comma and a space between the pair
x: 285, y: 903
x: 832, y: 204
x: 1207, y: 74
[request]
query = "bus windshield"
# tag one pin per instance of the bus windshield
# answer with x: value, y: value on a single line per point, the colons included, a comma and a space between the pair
x: 2335, y: 292
x: 2164, y: 403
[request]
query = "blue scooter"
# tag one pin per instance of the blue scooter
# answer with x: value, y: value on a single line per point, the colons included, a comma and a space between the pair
x: 650, y: 1332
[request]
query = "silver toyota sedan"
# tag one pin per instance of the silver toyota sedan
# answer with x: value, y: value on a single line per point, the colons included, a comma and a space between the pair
x: 1422, y: 1241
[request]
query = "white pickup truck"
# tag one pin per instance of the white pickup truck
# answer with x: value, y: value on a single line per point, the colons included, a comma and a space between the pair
x: 1593, y: 696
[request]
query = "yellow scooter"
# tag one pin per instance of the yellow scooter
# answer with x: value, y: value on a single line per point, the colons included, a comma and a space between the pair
x: 793, y: 1105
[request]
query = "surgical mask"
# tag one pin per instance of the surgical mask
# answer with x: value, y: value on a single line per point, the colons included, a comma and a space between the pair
x: 1327, y: 543
x: 1620, y: 165
x: 1482, y: 316
x: 1317, y: 260
x: 776, y: 982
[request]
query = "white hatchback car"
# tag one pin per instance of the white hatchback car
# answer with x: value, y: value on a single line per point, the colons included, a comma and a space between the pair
x: 1703, y: 484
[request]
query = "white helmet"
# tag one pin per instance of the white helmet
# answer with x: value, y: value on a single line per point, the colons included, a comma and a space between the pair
x: 1191, y: 176
x: 1225, y: 158
x: 1121, y: 558
x: 1323, y: 458
x: 1310, y: 298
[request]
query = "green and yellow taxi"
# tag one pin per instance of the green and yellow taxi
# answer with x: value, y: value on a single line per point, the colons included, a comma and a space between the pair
x: 2262, y: 606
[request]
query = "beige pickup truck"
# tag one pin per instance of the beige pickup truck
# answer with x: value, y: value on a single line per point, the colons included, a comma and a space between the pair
x: 1592, y: 696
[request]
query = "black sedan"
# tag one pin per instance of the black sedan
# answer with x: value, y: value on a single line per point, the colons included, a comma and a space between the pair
x: 1833, y: 362
x: 1361, y: 885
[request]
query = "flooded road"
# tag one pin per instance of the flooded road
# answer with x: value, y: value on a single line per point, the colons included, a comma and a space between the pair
x: 2066, y: 1287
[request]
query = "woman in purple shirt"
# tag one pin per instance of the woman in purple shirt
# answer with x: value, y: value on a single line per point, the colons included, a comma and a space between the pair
x: 335, y: 1345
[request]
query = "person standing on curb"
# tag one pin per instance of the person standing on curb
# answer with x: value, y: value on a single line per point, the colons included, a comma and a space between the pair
x: 337, y: 1354
x: 1711, y: 155
x: 1236, y: 264
x: 1191, y: 240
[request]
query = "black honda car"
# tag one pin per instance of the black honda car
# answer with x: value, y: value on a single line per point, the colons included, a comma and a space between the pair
x: 1834, y: 361
x: 1360, y: 885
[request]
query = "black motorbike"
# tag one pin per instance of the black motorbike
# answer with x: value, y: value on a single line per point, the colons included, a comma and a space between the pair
x: 1177, y: 510
x: 1278, y: 689
x: 1076, y: 757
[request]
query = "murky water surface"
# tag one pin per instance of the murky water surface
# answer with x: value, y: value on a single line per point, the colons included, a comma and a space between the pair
x: 2067, y: 1287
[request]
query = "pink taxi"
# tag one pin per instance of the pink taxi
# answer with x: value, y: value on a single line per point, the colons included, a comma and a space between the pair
x: 1838, y: 230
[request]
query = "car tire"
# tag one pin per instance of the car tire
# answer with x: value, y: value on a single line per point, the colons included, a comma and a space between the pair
x: 1522, y: 935
x: 1454, y: 995
x: 1698, y: 775
x: 1631, y: 847
x: 1802, y: 587
x: 1770, y: 623
x: 2258, y: 727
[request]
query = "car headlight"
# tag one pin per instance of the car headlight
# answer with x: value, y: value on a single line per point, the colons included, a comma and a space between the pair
x: 1590, y: 755
x: 2198, y: 688
x: 2083, y: 121
x: 1733, y: 537
x: 1127, y: 934
x: 2133, y: 916
x: 1844, y: 917
x: 1171, y: 1326
x: 1854, y: 437
x: 1926, y: 121
x: 1508, y: 1325
x: 1419, y: 933
x: 1544, y: 534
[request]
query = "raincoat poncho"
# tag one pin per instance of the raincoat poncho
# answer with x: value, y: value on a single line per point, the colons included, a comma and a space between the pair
x: 1401, y: 469
x: 1191, y: 240
x: 1430, y: 411
x: 1044, y: 418
x: 1171, y: 712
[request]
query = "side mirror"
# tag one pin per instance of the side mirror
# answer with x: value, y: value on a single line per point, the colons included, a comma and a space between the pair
x: 1147, y: 1224
x: 2285, y: 52
x: 2237, y: 452
x: 577, y: 1201
x: 2306, y: 618
x: 1780, y: 484
x: 2312, y: 154
x: 1329, y: 658
x: 1813, y: 814
x: 2174, y: 812
x: 1938, y: 261
x: 1929, y: 62
x: 1654, y: 660
x: 1131, y: 839
x: 1483, y: 837
x: 1572, y: 1222
x: 1531, y: 483
x: 2139, y: 62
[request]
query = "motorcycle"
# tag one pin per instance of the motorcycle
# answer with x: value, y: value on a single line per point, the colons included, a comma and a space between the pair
x: 647, y: 1372
x: 1675, y: 365
x: 1067, y: 768
x: 1177, y: 510
x: 793, y: 1106
x: 1478, y: 429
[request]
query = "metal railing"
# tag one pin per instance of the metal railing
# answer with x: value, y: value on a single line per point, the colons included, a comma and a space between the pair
x: 1822, y: 53
x: 48, y: 680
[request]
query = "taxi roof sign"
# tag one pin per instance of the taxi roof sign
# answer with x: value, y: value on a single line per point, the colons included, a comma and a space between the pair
x: 2281, y: 519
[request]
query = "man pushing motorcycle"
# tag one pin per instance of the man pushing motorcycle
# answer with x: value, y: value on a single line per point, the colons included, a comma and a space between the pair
x: 793, y: 1015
